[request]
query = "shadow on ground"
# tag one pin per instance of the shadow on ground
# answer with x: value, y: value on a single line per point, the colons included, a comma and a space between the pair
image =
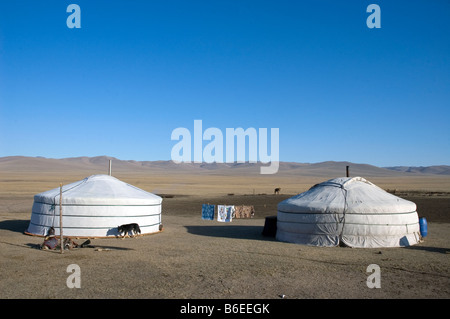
x: 230, y: 231
x: 18, y: 226
x: 429, y: 249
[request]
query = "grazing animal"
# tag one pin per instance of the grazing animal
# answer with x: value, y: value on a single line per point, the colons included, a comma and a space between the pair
x: 127, y: 228
x: 277, y: 190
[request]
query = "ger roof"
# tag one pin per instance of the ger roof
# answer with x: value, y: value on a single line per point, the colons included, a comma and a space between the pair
x: 99, y: 190
x: 352, y: 194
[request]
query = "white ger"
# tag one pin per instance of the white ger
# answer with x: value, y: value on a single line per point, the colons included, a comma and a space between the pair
x: 94, y: 207
x: 351, y: 211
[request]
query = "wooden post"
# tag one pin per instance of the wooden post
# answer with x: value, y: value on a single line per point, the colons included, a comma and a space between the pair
x: 348, y: 171
x: 61, y: 238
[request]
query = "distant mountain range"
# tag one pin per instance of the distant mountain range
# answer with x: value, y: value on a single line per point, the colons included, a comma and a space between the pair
x: 100, y: 165
x: 429, y: 170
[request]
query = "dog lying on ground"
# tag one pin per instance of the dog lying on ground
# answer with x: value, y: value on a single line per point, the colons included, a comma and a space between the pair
x: 127, y: 228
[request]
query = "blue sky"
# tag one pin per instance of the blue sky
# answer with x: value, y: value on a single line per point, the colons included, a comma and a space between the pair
x: 137, y: 70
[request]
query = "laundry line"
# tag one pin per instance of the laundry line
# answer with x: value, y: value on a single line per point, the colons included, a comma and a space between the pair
x: 226, y: 213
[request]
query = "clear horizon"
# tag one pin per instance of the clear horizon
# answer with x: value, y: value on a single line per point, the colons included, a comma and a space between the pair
x: 158, y: 160
x: 135, y: 71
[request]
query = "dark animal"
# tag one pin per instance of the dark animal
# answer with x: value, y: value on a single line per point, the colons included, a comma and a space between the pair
x: 127, y: 228
x: 277, y: 190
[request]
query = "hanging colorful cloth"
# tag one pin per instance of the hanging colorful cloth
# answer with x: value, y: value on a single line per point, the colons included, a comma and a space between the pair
x: 230, y: 212
x: 208, y: 212
x: 225, y: 213
x: 243, y: 211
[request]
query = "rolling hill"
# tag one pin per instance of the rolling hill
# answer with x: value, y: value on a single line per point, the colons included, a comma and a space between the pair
x: 100, y: 165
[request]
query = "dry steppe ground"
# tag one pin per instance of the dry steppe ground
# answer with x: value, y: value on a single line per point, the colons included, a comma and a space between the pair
x: 194, y: 258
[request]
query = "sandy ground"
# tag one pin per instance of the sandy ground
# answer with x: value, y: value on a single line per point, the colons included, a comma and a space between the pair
x: 193, y: 258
